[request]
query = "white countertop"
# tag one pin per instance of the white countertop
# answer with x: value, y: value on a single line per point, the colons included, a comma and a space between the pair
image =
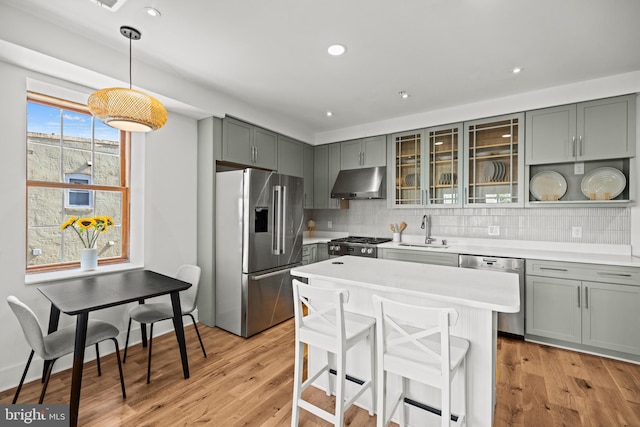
x: 569, y: 252
x: 309, y: 238
x: 496, y: 291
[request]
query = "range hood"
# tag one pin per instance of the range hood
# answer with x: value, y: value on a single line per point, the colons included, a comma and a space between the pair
x: 365, y: 183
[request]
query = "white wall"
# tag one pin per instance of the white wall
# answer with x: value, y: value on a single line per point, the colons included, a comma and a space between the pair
x: 165, y: 176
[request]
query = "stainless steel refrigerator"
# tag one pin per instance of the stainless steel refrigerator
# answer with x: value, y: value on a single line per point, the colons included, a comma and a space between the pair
x: 259, y: 224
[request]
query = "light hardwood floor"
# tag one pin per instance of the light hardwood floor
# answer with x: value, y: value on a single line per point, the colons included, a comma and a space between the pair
x: 248, y: 382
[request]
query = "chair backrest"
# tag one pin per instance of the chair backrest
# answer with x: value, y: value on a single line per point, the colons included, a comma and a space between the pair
x: 29, y: 324
x: 325, y: 311
x: 189, y: 298
x: 399, y: 324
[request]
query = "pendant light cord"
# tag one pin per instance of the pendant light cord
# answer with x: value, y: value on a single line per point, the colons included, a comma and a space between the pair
x: 130, y: 63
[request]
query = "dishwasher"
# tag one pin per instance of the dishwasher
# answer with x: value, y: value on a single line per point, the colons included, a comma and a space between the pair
x: 511, y: 324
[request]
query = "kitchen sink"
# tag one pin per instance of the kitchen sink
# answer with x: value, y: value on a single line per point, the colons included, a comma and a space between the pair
x: 425, y: 245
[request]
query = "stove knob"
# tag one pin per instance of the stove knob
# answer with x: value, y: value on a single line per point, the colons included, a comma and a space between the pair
x: 370, y: 251
x: 363, y: 250
x: 333, y: 248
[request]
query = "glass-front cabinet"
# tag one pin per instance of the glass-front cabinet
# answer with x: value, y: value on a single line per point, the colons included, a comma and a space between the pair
x: 445, y: 172
x: 494, y: 165
x: 427, y: 168
x: 407, y: 153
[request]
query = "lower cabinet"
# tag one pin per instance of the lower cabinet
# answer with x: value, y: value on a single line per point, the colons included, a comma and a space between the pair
x: 424, y: 257
x: 598, y: 308
x: 309, y: 254
x: 314, y: 252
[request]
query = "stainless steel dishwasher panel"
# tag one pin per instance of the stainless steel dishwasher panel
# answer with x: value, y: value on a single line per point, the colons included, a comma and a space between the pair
x: 508, y: 323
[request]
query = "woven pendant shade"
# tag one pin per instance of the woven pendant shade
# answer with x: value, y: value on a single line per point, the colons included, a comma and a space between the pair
x: 127, y: 109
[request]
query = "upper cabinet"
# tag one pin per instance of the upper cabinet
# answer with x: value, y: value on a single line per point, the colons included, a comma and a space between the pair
x: 427, y: 167
x: 493, y: 162
x: 290, y: 157
x: 581, y: 154
x: 406, y: 176
x: 594, y: 130
x: 308, y: 158
x: 364, y: 153
x: 248, y: 145
x: 326, y: 166
x: 445, y: 168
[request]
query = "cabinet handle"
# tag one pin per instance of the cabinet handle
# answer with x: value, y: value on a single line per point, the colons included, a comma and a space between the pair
x: 253, y: 156
x: 602, y: 273
x: 553, y: 269
x: 581, y: 147
x: 578, y: 288
x: 256, y: 159
x: 586, y: 297
x: 362, y: 157
x: 573, y: 145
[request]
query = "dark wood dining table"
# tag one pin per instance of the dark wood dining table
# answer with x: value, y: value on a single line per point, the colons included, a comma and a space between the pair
x: 80, y: 296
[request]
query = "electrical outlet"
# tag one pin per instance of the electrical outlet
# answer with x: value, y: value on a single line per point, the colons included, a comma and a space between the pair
x: 329, y: 225
x: 36, y: 252
x: 576, y: 232
x: 494, y: 230
x: 578, y: 168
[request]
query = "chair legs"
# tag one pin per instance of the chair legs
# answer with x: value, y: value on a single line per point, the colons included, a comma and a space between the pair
x: 98, y: 360
x: 24, y: 374
x: 149, y: 362
x: 126, y: 342
x: 115, y: 342
x: 197, y: 332
x: 46, y: 381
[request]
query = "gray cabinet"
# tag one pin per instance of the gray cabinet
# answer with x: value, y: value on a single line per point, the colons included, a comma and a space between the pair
x: 249, y: 145
x: 290, y: 156
x: 424, y: 257
x: 591, y: 306
x: 309, y: 254
x: 308, y: 167
x: 326, y: 166
x: 594, y: 130
x: 364, y: 153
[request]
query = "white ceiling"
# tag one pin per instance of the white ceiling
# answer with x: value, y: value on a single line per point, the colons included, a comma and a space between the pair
x: 272, y: 54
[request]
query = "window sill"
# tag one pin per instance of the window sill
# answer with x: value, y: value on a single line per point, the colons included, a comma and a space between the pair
x: 51, y: 276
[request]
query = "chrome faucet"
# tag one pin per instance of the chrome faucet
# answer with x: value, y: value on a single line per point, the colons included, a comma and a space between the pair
x: 426, y: 225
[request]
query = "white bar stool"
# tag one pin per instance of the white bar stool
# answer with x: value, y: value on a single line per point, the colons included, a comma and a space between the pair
x: 328, y: 327
x: 414, y: 343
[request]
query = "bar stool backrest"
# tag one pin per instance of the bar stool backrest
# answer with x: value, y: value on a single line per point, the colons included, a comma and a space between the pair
x: 324, y: 318
x: 420, y: 330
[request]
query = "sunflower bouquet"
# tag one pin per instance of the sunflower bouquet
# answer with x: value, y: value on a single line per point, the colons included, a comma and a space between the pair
x: 88, y: 229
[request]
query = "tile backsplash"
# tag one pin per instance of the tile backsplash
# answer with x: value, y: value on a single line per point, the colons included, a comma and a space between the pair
x: 372, y: 218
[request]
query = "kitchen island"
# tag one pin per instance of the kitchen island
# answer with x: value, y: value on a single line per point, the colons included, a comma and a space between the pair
x: 476, y: 295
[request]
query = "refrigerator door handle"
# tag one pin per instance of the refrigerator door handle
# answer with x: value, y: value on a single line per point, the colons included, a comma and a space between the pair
x: 277, y: 220
x: 283, y: 224
x: 274, y: 273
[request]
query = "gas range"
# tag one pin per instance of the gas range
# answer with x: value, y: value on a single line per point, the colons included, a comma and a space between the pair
x: 356, y: 245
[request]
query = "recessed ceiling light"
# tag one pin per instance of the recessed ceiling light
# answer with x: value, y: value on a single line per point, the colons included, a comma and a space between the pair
x: 152, y: 12
x: 336, y: 49
x: 516, y: 70
x: 329, y: 114
x: 404, y: 94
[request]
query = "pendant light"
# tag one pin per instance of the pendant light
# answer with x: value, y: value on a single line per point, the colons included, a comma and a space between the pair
x: 127, y: 109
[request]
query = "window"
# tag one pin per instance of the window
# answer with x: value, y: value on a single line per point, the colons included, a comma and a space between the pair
x: 76, y: 167
x: 78, y: 198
